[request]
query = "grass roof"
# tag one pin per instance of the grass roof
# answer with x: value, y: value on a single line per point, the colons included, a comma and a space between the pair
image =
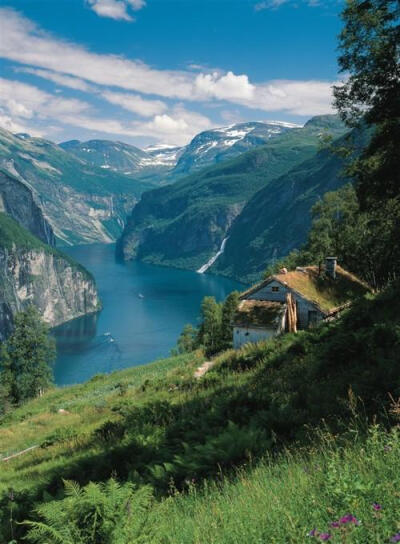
x: 258, y: 313
x: 325, y: 292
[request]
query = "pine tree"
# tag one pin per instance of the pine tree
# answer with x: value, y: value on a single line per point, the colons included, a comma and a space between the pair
x: 27, y: 357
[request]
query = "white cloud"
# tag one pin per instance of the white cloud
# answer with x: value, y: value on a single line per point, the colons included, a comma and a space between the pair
x: 25, y: 108
x: 135, y: 103
x: 9, y: 123
x: 226, y: 87
x: 59, y: 79
x: 116, y: 9
x: 294, y: 97
x: 25, y: 101
x: 23, y: 42
x: 269, y: 4
x: 137, y: 4
x: 177, y: 127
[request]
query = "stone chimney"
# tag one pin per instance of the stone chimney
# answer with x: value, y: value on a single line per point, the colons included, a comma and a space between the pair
x: 330, y: 267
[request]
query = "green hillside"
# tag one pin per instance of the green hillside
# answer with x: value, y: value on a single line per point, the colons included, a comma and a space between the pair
x: 184, y: 224
x: 158, y: 426
x: 278, y: 217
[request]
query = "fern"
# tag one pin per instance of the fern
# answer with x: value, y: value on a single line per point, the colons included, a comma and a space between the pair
x: 105, y: 513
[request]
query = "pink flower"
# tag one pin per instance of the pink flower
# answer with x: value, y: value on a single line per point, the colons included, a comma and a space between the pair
x: 325, y: 536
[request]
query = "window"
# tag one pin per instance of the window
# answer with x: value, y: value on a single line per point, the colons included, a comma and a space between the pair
x: 275, y: 288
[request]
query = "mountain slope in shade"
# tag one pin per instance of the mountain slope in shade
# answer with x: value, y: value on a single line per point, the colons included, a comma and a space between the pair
x: 184, y: 224
x: 82, y: 203
x: 277, y: 218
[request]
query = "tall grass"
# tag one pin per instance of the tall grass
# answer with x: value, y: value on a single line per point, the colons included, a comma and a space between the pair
x: 282, y: 501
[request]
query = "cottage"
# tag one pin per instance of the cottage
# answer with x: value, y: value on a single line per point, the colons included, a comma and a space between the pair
x: 294, y: 300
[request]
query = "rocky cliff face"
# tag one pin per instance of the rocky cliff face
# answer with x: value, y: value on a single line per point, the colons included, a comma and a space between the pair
x: 58, y: 288
x: 31, y: 270
x: 83, y: 203
x: 18, y: 201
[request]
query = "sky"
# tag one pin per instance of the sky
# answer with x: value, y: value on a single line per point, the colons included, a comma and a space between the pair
x: 161, y: 71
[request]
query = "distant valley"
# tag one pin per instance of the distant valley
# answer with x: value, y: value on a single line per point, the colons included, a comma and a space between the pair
x: 184, y: 224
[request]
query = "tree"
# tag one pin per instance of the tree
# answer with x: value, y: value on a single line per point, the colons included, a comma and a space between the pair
x: 27, y: 357
x: 369, y: 47
x: 187, y: 340
x: 209, y: 334
x: 7, y: 381
x: 229, y: 308
x: 365, y: 242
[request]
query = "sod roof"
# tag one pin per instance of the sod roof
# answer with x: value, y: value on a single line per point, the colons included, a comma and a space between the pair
x: 320, y: 289
x: 258, y: 313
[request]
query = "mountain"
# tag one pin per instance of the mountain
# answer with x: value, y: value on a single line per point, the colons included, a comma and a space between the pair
x: 83, y: 203
x: 184, y: 224
x: 106, y: 154
x: 277, y: 218
x: 161, y: 164
x: 221, y: 144
x: 32, y: 271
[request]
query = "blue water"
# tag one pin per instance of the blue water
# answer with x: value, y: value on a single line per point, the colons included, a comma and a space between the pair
x: 144, y: 310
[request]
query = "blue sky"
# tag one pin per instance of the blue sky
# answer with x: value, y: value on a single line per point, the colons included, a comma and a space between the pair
x: 150, y: 71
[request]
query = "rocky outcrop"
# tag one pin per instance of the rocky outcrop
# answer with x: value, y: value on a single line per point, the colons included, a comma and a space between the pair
x: 18, y: 201
x: 60, y: 289
x: 31, y: 270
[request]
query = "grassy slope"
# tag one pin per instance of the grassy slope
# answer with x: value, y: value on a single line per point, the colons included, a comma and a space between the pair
x: 183, y: 224
x: 158, y: 425
x: 282, y: 500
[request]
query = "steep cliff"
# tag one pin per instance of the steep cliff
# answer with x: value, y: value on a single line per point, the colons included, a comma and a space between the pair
x: 185, y: 223
x: 18, y: 201
x: 83, y: 203
x: 32, y: 272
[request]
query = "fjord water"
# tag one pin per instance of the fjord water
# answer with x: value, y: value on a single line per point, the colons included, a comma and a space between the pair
x: 144, y: 310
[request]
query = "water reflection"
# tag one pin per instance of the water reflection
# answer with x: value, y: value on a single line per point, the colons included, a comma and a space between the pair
x: 144, y: 310
x: 76, y: 334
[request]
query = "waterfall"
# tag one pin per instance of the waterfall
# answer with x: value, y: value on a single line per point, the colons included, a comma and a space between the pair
x: 209, y: 263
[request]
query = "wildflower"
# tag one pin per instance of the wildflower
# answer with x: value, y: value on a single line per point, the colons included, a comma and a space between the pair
x: 313, y: 532
x: 348, y: 518
x: 376, y: 506
x: 325, y: 536
x: 335, y: 524
x: 395, y: 538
